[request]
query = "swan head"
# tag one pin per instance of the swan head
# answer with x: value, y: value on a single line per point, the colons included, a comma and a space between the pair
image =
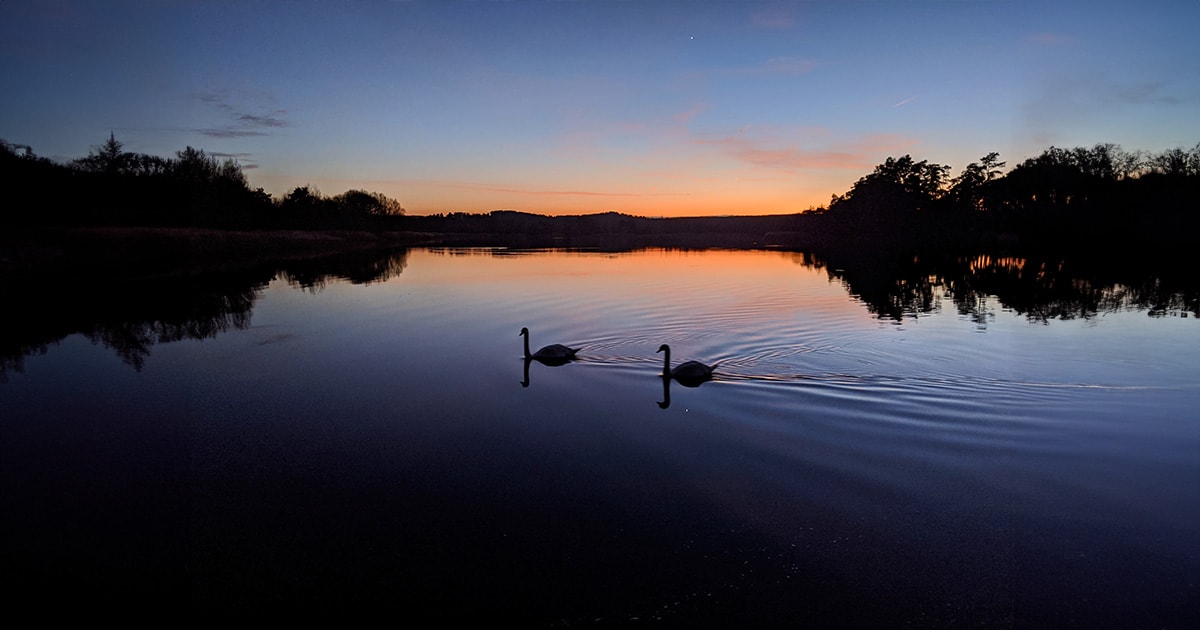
x: 664, y: 348
x: 524, y: 331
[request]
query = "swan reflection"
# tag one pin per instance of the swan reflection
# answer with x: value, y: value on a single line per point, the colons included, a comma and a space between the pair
x: 549, y: 362
x: 666, y: 401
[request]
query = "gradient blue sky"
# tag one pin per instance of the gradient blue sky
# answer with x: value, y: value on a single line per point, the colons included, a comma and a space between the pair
x: 649, y: 107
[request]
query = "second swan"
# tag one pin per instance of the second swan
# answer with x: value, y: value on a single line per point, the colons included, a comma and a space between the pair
x: 690, y: 372
x: 552, y: 353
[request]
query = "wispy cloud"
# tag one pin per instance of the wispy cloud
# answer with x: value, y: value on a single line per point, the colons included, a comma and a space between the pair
x: 671, y: 150
x: 1152, y: 92
x: 686, y: 117
x: 787, y: 65
x: 229, y: 133
x: 773, y: 18
x: 775, y: 66
x: 1071, y: 98
x: 270, y: 120
x: 789, y: 158
x: 792, y: 152
x: 1061, y: 104
x: 241, y: 120
x: 244, y: 160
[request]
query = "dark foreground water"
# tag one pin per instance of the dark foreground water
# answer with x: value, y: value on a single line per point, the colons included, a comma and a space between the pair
x: 308, y: 449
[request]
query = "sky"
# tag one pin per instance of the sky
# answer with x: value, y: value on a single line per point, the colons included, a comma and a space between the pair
x: 650, y: 107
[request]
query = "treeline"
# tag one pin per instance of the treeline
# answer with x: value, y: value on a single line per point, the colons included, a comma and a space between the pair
x: 113, y: 187
x: 1086, y: 197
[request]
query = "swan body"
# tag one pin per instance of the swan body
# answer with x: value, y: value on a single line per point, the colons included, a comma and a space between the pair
x: 687, y: 372
x: 552, y: 352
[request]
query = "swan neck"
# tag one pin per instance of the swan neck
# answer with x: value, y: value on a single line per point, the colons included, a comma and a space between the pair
x: 526, y: 337
x: 666, y: 361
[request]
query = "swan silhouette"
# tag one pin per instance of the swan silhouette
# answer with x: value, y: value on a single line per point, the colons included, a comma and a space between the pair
x: 688, y: 374
x: 553, y: 354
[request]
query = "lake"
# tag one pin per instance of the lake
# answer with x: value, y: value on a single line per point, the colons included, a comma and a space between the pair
x: 359, y: 440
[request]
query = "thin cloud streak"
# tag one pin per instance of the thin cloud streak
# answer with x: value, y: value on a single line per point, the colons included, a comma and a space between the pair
x: 240, y: 123
x: 765, y: 152
x: 244, y: 160
x: 786, y: 66
x: 262, y: 121
x: 774, y: 66
x: 773, y: 18
x: 229, y: 133
x: 686, y: 117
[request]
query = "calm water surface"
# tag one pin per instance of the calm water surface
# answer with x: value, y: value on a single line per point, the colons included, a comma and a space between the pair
x: 360, y: 449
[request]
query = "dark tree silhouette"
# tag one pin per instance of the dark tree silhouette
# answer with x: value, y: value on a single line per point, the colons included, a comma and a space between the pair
x: 967, y: 190
x: 1085, y: 198
x: 114, y: 187
x: 888, y: 204
x: 360, y: 203
x: 109, y: 158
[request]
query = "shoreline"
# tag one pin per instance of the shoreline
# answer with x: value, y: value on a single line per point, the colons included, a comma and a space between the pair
x: 153, y: 250
x: 142, y: 250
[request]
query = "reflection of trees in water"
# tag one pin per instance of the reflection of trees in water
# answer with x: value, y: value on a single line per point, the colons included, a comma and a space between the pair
x: 12, y: 357
x: 1043, y: 290
x: 357, y: 267
x: 895, y: 286
x: 176, y: 315
x: 128, y: 316
x: 131, y: 315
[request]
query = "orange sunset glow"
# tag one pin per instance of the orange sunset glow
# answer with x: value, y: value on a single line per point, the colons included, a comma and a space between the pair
x: 646, y: 108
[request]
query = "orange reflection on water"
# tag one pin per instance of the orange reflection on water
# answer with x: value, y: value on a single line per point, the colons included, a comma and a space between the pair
x: 590, y: 284
x: 554, y: 266
x: 985, y: 262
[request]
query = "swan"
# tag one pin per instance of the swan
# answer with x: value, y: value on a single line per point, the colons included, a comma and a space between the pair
x: 552, y: 352
x: 690, y: 372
